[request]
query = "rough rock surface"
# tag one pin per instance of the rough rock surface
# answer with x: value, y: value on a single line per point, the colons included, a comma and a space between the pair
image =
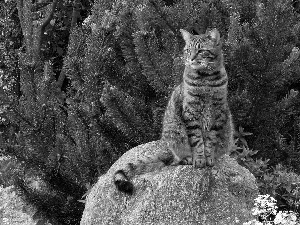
x: 174, y: 195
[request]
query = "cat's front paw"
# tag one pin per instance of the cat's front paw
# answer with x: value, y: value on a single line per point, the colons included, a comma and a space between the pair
x: 186, y: 161
x: 199, y: 163
x: 210, y: 161
x: 122, y: 183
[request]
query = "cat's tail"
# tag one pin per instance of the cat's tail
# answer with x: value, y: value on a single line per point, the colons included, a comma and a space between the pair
x: 123, y: 177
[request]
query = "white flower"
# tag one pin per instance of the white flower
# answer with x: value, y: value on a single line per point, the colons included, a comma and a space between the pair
x: 253, y: 222
x: 286, y: 218
x: 264, y: 205
x: 87, y: 21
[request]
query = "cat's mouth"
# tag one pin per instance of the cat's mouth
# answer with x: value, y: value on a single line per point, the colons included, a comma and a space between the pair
x: 199, y: 65
x: 203, y: 74
x: 204, y: 69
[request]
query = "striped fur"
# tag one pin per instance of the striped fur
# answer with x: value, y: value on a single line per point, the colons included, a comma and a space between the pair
x: 197, y: 124
x: 205, y: 110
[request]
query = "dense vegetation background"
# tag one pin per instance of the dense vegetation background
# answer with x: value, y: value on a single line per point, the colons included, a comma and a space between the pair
x: 78, y: 91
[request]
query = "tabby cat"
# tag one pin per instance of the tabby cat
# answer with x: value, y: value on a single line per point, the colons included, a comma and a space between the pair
x: 197, y: 124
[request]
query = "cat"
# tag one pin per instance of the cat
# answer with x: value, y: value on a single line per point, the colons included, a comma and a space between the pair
x: 197, y: 124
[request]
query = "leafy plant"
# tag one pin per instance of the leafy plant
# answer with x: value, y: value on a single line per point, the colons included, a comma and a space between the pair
x: 276, y: 181
x: 267, y: 213
x: 74, y: 98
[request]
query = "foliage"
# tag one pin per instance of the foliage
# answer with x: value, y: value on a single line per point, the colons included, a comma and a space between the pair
x: 11, y: 209
x: 34, y: 123
x: 279, y: 182
x: 263, y: 65
x: 266, y: 211
x: 10, y: 39
x: 76, y: 101
x: 8, y: 169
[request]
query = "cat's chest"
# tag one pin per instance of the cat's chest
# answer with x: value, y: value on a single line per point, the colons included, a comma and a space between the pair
x: 204, y: 115
x: 197, y: 101
x: 199, y: 108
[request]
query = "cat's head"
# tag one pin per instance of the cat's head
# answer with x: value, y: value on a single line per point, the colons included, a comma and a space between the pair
x: 203, y: 52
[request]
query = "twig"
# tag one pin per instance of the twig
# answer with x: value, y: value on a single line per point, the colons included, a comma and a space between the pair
x: 74, y: 13
x: 50, y: 15
x: 39, y: 6
x: 20, y: 7
x: 40, y: 30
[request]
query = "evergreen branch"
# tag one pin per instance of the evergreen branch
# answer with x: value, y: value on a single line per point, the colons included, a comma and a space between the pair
x: 122, y: 111
x: 14, y: 151
x: 23, y: 118
x: 120, y: 121
x: 35, y: 128
x: 294, y: 55
x: 287, y: 75
x: 219, y: 6
x: 11, y: 12
x: 288, y: 100
x: 139, y: 82
x: 296, y: 135
x: 111, y: 133
x: 71, y: 53
x: 150, y: 70
x: 164, y: 18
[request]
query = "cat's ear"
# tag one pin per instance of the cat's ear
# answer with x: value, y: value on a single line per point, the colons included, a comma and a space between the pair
x: 214, y: 35
x: 186, y: 35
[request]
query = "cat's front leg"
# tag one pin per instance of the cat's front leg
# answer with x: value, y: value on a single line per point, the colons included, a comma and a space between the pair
x: 209, y: 150
x: 198, y: 150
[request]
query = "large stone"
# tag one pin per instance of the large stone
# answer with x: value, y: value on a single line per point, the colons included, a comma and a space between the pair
x: 177, y: 195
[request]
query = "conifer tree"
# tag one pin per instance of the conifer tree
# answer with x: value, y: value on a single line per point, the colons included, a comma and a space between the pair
x: 264, y: 66
x: 120, y: 70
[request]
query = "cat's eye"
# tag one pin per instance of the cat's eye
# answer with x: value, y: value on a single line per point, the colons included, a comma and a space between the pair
x: 211, y: 57
x: 207, y: 54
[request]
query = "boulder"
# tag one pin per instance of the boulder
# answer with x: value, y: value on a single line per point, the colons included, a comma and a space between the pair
x: 223, y: 194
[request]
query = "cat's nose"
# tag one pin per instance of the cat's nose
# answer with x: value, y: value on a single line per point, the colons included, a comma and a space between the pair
x: 193, y: 56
